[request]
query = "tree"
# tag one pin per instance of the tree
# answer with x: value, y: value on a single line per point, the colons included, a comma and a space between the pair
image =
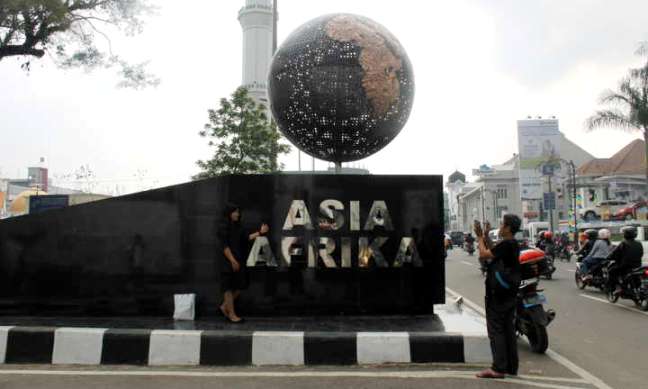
x: 246, y: 141
x: 627, y: 106
x: 67, y: 31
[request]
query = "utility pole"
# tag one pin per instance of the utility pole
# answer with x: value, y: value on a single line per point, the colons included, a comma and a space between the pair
x: 575, y: 211
x: 550, y: 209
x: 482, y: 205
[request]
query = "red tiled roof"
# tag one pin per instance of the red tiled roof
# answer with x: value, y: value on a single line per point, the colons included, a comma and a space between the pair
x: 629, y: 160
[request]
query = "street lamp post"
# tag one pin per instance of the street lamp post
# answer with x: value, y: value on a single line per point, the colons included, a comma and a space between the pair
x: 572, y: 168
x: 574, y: 209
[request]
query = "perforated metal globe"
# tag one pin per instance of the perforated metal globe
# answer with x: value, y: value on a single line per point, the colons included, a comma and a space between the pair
x: 341, y: 87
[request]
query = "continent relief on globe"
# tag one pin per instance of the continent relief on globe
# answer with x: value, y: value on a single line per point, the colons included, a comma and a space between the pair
x: 379, y: 63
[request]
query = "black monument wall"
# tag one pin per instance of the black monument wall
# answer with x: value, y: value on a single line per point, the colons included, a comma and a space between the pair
x: 129, y: 255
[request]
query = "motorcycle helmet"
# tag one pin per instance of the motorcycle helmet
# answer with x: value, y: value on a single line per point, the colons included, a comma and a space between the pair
x: 548, y: 235
x: 604, y: 233
x: 591, y: 234
x: 629, y: 232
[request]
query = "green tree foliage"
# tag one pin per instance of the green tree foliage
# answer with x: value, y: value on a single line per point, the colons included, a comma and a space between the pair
x: 67, y: 30
x: 246, y: 141
x: 627, y: 107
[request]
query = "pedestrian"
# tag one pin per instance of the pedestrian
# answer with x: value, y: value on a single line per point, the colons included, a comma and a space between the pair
x: 234, y: 242
x: 502, y: 283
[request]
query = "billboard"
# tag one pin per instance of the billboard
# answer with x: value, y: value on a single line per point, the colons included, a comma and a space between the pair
x: 538, y: 142
x: 38, y: 204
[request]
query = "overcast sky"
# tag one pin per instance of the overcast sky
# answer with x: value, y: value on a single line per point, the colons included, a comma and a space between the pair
x: 479, y: 67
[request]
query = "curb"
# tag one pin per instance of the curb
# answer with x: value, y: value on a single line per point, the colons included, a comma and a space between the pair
x: 100, y: 346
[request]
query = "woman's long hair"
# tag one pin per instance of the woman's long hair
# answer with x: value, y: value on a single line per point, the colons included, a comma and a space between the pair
x: 229, y: 208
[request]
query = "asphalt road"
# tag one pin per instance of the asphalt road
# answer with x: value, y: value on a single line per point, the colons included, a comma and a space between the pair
x: 422, y: 376
x: 607, y: 340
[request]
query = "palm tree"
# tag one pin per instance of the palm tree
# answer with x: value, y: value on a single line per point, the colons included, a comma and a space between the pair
x: 628, y: 105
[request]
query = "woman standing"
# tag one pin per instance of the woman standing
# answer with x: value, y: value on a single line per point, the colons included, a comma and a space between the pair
x: 234, y: 242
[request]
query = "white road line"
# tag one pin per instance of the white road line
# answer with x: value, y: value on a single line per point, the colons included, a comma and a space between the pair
x: 297, y: 374
x: 468, y: 263
x: 616, y: 305
x: 571, y: 270
x: 590, y: 378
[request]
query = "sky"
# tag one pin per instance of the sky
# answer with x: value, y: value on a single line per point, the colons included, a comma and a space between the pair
x: 479, y: 66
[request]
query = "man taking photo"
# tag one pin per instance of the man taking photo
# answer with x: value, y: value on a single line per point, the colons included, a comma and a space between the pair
x: 502, y: 283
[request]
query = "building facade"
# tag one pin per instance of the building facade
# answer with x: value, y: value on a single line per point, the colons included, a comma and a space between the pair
x: 620, y: 177
x: 496, y: 190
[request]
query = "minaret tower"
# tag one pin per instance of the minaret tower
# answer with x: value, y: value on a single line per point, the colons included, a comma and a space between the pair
x: 256, y: 19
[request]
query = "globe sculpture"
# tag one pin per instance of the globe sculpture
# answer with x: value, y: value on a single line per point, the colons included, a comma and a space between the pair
x: 341, y: 87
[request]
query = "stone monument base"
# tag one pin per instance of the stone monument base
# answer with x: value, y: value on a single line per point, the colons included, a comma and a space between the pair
x: 450, y: 336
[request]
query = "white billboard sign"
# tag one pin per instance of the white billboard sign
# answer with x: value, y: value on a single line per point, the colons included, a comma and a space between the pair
x: 538, y: 143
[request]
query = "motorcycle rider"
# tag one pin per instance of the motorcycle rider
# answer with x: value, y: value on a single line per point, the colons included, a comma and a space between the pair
x: 470, y: 242
x: 548, y: 246
x: 627, y: 256
x: 586, y: 248
x: 599, y: 253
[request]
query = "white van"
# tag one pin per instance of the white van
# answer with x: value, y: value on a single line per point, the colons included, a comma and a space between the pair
x: 532, y: 230
x: 642, y: 236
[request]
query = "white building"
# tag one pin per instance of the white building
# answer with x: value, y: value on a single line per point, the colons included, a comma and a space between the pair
x: 620, y: 177
x: 496, y: 190
x: 256, y: 19
x: 455, y: 187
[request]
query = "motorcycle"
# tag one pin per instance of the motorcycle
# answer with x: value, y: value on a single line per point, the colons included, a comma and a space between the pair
x: 531, y: 319
x: 470, y: 248
x: 634, y: 286
x: 564, y: 253
x: 598, y: 278
x: 549, y: 266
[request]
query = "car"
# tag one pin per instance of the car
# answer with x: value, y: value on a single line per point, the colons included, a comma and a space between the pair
x: 603, y: 210
x: 629, y: 212
x: 457, y: 238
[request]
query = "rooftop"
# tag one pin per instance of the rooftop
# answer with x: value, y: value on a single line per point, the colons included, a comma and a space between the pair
x: 630, y: 160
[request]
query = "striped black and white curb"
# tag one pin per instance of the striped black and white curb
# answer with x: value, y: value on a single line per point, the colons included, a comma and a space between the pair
x: 95, y: 346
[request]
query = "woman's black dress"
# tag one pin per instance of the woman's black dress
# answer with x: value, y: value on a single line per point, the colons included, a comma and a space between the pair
x: 234, y: 237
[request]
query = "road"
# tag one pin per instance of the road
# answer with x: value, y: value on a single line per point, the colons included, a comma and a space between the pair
x: 606, y: 339
x: 594, y: 345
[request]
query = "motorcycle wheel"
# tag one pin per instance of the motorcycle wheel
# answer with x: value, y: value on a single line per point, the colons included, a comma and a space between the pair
x: 613, y: 298
x: 538, y: 338
x: 579, y: 281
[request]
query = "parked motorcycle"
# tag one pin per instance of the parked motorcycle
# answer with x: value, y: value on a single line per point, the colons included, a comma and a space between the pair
x: 532, y: 319
x: 598, y: 278
x: 634, y: 286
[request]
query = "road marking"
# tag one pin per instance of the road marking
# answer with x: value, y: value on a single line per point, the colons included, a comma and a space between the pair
x: 571, y: 270
x: 468, y: 263
x: 525, y: 380
x: 616, y: 305
x: 590, y: 378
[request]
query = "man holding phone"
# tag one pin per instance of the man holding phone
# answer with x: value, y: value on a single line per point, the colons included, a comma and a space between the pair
x: 502, y: 283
